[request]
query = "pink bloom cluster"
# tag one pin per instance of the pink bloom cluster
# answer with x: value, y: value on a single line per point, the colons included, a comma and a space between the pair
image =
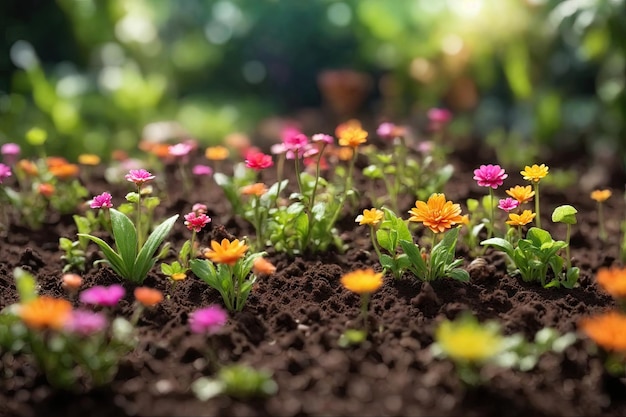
x: 5, y: 172
x: 208, y: 320
x: 102, y: 201
x: 258, y: 160
x: 508, y: 204
x: 196, y: 221
x: 139, y: 176
x: 180, y: 149
x: 103, y: 296
x: 438, y: 118
x: 202, y: 170
x: 490, y: 176
x: 85, y: 323
x: 10, y: 152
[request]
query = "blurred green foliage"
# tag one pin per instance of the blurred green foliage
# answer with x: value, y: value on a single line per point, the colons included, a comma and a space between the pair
x: 93, y: 73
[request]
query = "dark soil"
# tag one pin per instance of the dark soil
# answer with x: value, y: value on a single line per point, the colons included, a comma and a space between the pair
x: 293, y: 320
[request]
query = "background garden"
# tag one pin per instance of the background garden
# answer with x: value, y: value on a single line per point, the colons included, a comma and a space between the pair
x: 522, y: 74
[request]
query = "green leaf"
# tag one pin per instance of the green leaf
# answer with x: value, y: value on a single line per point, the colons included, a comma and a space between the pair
x: 418, y: 266
x: 125, y: 236
x: 145, y: 259
x: 26, y: 285
x: 538, y: 236
x: 564, y: 214
x: 111, y: 256
x: 459, y: 274
x: 500, y: 244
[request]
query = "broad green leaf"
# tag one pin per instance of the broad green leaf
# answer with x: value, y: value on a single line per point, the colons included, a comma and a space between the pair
x: 564, y: 214
x: 111, y: 256
x: 125, y: 236
x: 500, y: 244
x: 459, y: 274
x: 145, y: 259
x: 26, y: 284
x: 382, y: 236
x: 538, y: 236
x: 417, y: 262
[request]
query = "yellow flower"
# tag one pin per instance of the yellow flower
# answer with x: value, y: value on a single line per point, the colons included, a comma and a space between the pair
x: 178, y: 276
x: 362, y: 281
x: 601, y: 195
x: 373, y: 217
x: 467, y: 340
x: 344, y: 154
x: 613, y: 280
x: 534, y: 173
x: 227, y: 252
x: 523, y: 219
x: 88, y: 159
x: 257, y: 189
x: 351, y: 134
x: 437, y: 213
x: 216, y: 153
x: 606, y: 330
x: 521, y: 194
x: 45, y: 312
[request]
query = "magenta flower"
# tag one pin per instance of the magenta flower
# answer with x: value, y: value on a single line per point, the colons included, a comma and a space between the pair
x: 103, y: 296
x: 490, y: 176
x: 139, y: 176
x: 195, y: 221
x: 85, y: 323
x: 295, y: 144
x: 5, y: 172
x: 323, y: 138
x: 439, y: 116
x: 386, y: 130
x: 180, y: 149
x: 102, y: 201
x: 208, y: 320
x: 202, y: 170
x: 10, y: 152
x: 258, y: 160
x: 199, y: 208
x: 508, y: 204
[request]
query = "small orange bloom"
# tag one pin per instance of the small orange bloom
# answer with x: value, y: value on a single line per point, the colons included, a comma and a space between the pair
x: 178, y: 276
x: 523, y: 219
x: 46, y: 189
x: 521, y: 194
x: 55, y: 161
x: 437, y: 213
x: 45, y: 312
x: 71, y: 282
x: 65, y: 171
x: 119, y: 155
x: 160, y: 150
x: 227, y: 252
x: 29, y: 167
x: 607, y: 330
x: 613, y: 281
x: 88, y: 159
x: 263, y: 266
x: 373, y: 217
x: 149, y: 297
x: 351, y: 134
x: 257, y: 189
x: 216, y: 153
x: 238, y: 141
x: 362, y: 281
x: 344, y: 154
x: 601, y: 195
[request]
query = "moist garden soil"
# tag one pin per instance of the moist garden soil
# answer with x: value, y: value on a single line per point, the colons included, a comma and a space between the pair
x: 293, y: 320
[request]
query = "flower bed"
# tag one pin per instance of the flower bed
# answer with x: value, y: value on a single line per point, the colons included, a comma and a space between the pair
x: 303, y: 323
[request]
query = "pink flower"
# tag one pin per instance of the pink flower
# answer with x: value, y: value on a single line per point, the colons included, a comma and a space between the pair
x: 180, y: 149
x: 195, y: 221
x: 202, y: 170
x: 10, y: 152
x: 5, y: 172
x: 322, y: 137
x: 103, y: 296
x: 139, y: 176
x: 386, y: 130
x: 85, y: 323
x: 440, y: 116
x: 208, y: 320
x: 508, y: 204
x: 102, y: 201
x: 258, y: 160
x: 490, y: 176
x: 295, y: 143
x: 199, y: 208
x: 278, y: 149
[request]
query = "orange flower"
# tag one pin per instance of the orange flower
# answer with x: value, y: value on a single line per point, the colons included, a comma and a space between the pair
x: 216, y: 153
x: 227, y: 252
x: 263, y: 266
x: 55, y: 161
x: 64, y: 171
x: 119, y: 155
x: 607, y: 330
x: 362, y: 281
x: 238, y: 141
x: 613, y: 281
x: 71, y: 282
x: 45, y: 312
x: 28, y: 167
x: 88, y: 159
x: 178, y: 276
x: 148, y: 297
x: 160, y: 150
x: 257, y: 189
x: 373, y: 217
x: 344, y: 154
x: 351, y: 134
x: 46, y: 189
x: 601, y: 195
x: 521, y: 194
x: 437, y: 213
x: 523, y: 219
